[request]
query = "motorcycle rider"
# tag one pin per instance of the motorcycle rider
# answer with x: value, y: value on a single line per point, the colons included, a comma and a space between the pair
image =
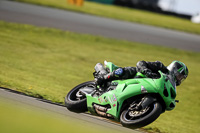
x: 150, y: 69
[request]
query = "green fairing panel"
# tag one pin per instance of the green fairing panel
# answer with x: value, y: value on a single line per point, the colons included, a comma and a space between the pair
x: 163, y: 84
x: 115, y: 98
x: 111, y: 66
x: 133, y: 86
x: 105, y: 99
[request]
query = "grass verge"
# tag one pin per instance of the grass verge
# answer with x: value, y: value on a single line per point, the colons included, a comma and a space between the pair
x: 47, y: 63
x: 125, y: 14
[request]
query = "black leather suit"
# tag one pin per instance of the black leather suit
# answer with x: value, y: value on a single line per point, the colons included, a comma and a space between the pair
x: 147, y: 68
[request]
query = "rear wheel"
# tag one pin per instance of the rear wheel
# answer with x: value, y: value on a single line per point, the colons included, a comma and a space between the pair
x: 136, y: 119
x: 75, y: 100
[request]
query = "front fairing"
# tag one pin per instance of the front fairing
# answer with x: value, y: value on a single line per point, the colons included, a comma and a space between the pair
x: 167, y: 90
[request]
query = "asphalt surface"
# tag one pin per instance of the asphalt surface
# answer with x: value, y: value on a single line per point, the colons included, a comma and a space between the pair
x: 82, y: 23
x: 45, y: 106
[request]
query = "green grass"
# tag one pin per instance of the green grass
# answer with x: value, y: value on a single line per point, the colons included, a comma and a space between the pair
x: 125, y: 14
x: 47, y: 63
x: 19, y: 118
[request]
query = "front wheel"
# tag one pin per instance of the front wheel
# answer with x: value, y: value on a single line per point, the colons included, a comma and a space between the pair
x: 137, y: 119
x: 75, y: 100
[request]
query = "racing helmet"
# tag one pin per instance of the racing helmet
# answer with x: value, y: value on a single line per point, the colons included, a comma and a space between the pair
x: 180, y: 71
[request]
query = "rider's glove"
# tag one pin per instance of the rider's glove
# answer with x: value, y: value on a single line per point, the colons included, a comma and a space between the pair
x: 99, y: 80
x: 149, y: 73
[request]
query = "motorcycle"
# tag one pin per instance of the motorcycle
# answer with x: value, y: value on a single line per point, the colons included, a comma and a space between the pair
x: 134, y: 102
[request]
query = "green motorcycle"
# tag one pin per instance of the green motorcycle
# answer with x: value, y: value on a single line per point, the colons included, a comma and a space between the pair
x: 134, y: 102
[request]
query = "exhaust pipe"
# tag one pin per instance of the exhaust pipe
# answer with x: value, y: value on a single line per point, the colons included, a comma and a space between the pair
x: 100, y: 108
x: 102, y: 111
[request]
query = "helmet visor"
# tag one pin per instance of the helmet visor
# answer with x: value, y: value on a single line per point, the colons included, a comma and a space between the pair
x: 180, y: 78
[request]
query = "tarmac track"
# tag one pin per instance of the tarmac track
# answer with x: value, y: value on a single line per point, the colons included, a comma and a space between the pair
x: 46, y: 106
x: 65, y: 20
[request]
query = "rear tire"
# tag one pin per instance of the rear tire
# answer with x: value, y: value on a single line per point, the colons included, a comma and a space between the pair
x: 75, y: 104
x: 148, y: 117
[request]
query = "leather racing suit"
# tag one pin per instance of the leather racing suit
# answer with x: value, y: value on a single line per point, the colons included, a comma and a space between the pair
x: 150, y: 69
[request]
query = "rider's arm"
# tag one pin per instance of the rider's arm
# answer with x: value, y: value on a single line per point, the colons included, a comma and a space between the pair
x: 157, y: 65
x: 150, y: 67
x: 129, y: 72
x: 122, y: 73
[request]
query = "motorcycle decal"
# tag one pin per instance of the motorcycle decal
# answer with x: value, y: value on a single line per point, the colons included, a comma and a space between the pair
x: 143, y: 90
x: 114, y: 97
x: 100, y: 99
x: 110, y: 100
x: 106, y: 99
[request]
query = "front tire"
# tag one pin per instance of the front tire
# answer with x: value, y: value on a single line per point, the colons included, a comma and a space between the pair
x: 146, y: 117
x: 74, y: 103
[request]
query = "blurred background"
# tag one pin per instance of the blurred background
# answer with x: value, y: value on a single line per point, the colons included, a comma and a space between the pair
x: 50, y: 46
x: 180, y: 8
